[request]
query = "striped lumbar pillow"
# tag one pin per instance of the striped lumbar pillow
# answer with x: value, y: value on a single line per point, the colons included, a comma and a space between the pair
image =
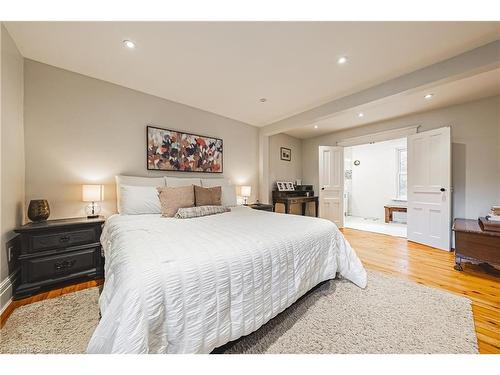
x: 190, y: 212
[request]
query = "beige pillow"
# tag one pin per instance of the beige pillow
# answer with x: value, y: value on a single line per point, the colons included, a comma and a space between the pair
x: 207, y: 196
x: 173, y: 198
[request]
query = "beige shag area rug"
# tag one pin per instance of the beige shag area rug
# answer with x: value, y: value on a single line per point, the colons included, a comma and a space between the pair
x: 389, y: 316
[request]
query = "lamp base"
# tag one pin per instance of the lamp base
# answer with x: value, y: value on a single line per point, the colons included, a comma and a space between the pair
x: 93, y: 210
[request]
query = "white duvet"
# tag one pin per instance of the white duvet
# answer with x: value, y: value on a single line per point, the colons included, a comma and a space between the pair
x: 191, y: 285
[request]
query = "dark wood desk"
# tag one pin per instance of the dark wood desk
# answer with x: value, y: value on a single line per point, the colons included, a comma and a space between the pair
x: 473, y: 243
x: 288, y: 201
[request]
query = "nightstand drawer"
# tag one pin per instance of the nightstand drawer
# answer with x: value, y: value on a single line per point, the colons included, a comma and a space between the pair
x: 47, y: 241
x: 55, y: 266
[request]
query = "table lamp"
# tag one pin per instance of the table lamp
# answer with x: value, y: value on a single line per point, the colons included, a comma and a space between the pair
x: 245, y: 192
x: 92, y: 193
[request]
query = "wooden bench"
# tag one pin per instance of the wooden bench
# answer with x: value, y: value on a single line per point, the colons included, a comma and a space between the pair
x: 389, y: 209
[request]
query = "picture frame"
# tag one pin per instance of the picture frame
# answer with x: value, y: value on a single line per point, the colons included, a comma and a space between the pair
x: 285, y: 186
x: 173, y: 150
x: 285, y: 154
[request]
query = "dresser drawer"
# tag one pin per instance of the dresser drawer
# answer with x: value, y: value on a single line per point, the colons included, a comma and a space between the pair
x: 56, y: 266
x: 58, y: 240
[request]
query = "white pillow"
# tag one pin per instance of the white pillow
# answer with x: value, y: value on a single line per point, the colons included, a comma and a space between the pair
x: 228, y: 197
x: 136, y: 200
x: 181, y: 181
x: 135, y: 181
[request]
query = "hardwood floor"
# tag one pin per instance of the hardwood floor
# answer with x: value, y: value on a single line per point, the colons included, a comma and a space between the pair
x: 434, y: 268
x: 46, y: 295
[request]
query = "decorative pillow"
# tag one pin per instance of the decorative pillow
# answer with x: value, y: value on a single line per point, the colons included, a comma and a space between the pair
x: 207, y: 196
x: 187, y: 213
x: 173, y: 198
x: 228, y: 197
x: 136, y: 200
x: 135, y: 181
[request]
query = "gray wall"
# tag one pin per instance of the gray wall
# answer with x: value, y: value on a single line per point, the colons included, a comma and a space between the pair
x: 475, y: 134
x: 83, y: 130
x: 282, y: 170
x: 12, y: 152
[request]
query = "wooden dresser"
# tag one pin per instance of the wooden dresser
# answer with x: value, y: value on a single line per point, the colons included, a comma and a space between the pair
x: 475, y: 244
x: 55, y: 253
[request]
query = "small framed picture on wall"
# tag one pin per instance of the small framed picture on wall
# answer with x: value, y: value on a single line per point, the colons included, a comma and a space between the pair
x: 285, y: 154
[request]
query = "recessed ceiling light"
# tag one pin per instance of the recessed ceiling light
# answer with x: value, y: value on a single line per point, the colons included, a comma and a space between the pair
x: 262, y: 100
x: 361, y: 114
x: 129, y: 44
x: 315, y: 126
x: 342, y: 60
x: 428, y: 96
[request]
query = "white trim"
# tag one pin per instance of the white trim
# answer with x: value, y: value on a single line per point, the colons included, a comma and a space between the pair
x: 379, y: 136
x: 398, y: 172
x: 6, y: 288
x: 5, y: 306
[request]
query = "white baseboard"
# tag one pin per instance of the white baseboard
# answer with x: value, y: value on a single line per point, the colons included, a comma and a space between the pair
x: 6, y: 290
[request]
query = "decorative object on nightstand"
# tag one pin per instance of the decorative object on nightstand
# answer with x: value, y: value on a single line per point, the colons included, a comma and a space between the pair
x: 261, y: 206
x: 55, y: 253
x: 245, y: 192
x: 92, y: 193
x: 38, y: 210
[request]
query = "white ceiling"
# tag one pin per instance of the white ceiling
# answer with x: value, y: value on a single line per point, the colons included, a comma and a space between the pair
x: 225, y: 67
x: 475, y: 87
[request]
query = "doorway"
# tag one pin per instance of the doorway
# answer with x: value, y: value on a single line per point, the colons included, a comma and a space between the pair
x: 375, y: 187
x: 411, y: 176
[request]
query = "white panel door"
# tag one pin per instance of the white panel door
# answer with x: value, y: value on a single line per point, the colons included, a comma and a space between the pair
x: 429, y: 196
x: 331, y: 184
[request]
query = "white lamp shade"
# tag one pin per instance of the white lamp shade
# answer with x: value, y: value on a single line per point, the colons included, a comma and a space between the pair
x: 92, y: 193
x: 246, y: 191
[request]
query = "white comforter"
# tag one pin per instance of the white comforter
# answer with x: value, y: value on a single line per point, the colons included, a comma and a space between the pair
x: 191, y: 285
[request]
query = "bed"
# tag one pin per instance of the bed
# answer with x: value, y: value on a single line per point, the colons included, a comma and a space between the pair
x: 189, y: 286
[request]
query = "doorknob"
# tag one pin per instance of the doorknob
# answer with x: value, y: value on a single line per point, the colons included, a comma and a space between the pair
x: 322, y: 188
x: 442, y: 189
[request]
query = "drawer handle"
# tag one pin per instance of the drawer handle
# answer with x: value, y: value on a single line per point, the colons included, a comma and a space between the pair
x: 61, y: 266
x: 64, y: 239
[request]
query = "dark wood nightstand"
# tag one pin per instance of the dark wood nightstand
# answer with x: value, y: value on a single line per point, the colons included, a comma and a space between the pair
x: 55, y: 253
x: 261, y: 206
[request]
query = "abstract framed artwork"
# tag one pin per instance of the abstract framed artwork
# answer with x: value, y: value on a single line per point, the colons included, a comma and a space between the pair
x: 285, y: 154
x: 171, y: 150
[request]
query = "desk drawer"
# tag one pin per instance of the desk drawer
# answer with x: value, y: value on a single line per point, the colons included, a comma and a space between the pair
x: 58, y: 240
x: 481, y: 247
x: 55, y: 266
